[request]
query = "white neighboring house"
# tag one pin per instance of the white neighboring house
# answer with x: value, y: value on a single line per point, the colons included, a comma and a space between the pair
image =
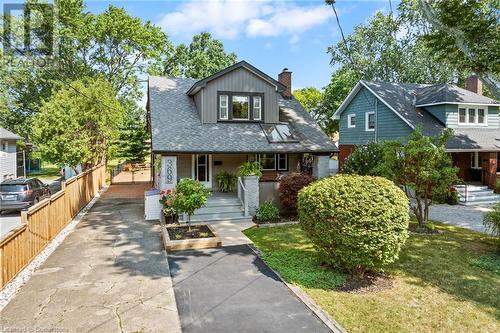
x: 8, y: 154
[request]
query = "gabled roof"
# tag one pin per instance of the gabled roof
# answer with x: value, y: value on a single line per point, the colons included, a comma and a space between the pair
x: 8, y: 135
x: 176, y: 126
x: 403, y: 99
x: 450, y: 94
x: 242, y: 64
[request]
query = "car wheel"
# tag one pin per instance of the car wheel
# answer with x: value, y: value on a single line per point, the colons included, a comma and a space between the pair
x: 36, y: 200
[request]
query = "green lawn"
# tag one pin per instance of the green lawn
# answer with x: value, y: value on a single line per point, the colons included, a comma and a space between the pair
x: 437, y: 286
x: 49, y: 173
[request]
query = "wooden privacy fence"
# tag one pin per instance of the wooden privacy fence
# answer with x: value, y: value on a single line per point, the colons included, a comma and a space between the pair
x: 43, y: 221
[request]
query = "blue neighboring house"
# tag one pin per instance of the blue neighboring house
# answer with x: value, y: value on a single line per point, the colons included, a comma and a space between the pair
x: 377, y: 111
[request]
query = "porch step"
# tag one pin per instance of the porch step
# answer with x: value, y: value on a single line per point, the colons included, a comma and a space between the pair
x: 218, y: 216
x: 477, y: 195
x: 220, y: 208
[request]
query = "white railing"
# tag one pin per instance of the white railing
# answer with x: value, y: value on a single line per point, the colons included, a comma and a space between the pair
x: 242, y: 195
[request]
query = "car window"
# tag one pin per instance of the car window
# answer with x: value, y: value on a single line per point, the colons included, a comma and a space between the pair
x: 39, y: 182
x: 34, y: 185
x: 12, y: 188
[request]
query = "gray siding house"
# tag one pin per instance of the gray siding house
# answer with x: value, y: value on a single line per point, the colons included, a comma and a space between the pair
x: 377, y: 111
x: 201, y: 127
x: 8, y: 154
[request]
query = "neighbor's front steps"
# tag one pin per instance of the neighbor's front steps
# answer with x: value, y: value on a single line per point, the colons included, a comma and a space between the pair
x: 477, y: 195
x: 221, y: 208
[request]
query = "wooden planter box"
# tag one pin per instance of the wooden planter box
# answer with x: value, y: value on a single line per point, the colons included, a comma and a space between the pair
x: 185, y: 244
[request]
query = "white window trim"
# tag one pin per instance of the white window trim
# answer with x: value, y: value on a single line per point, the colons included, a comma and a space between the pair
x: 474, y: 160
x: 259, y: 108
x: 227, y: 107
x: 349, y: 117
x: 275, y: 162
x: 367, y: 116
x: 476, y: 115
x: 248, y: 110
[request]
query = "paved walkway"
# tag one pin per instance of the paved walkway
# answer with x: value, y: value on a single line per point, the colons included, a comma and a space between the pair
x: 230, y: 233
x: 109, y: 275
x: 470, y: 217
x: 231, y: 290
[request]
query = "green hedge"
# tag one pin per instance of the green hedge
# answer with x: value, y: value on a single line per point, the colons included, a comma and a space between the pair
x: 357, y: 223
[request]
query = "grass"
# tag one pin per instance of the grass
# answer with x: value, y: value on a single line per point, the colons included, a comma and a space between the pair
x: 437, y: 285
x: 489, y: 262
x: 49, y: 173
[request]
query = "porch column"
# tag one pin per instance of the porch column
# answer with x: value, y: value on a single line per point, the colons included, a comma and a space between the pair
x: 251, y: 184
x: 489, y: 166
x: 321, y: 167
x: 168, y: 175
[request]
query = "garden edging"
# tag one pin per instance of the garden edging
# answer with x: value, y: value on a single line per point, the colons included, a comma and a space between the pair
x: 304, y: 298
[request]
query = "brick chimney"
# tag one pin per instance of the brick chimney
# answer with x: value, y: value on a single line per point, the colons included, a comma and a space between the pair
x: 285, y: 78
x: 472, y: 83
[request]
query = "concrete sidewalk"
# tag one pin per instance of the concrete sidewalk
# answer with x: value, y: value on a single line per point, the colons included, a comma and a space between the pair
x: 469, y: 217
x: 110, y: 275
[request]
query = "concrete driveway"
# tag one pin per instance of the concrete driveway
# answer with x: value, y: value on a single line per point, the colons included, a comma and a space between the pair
x: 231, y: 290
x: 469, y: 217
x: 9, y: 221
x: 109, y: 275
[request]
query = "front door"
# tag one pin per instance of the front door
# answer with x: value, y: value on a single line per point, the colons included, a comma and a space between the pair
x: 202, y: 169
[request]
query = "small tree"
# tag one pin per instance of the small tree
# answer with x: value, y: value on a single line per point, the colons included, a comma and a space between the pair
x: 365, y: 160
x: 132, y: 143
x: 191, y: 195
x: 423, y: 167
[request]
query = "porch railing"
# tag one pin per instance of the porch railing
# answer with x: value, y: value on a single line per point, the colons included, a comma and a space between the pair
x: 463, y: 195
x: 243, y: 195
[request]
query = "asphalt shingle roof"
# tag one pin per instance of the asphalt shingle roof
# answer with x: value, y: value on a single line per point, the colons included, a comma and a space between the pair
x: 403, y: 97
x: 8, y: 135
x: 176, y: 125
x: 447, y: 93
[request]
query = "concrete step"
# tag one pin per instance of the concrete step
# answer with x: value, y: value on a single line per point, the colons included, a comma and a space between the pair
x: 226, y: 208
x: 219, y: 217
x: 480, y: 202
x: 234, y: 202
x: 488, y: 196
x: 471, y: 188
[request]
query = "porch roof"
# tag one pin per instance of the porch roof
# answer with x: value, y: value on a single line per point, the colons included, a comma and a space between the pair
x: 474, y: 139
x: 176, y: 126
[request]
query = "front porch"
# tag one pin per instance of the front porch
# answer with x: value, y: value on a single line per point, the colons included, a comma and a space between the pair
x: 247, y: 195
x: 477, y: 167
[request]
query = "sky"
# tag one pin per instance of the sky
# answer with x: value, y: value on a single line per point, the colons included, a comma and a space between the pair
x: 270, y: 35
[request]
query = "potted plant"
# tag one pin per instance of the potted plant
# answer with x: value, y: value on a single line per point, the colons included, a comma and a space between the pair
x: 167, y: 200
x: 226, y: 182
x: 248, y: 169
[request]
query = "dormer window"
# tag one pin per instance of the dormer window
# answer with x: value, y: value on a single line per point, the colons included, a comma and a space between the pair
x: 472, y: 115
x: 240, y: 106
x: 257, y: 107
x: 223, y: 107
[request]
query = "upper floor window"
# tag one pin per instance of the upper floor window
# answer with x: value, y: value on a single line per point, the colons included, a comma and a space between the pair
x: 223, y: 107
x: 5, y: 146
x: 472, y: 115
x: 370, y: 121
x: 240, y: 106
x: 351, y: 121
x: 257, y: 107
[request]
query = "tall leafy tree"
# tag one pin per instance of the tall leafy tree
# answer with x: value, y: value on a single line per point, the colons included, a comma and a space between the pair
x: 463, y: 33
x: 112, y: 45
x: 78, y: 123
x: 203, y: 57
x: 132, y: 143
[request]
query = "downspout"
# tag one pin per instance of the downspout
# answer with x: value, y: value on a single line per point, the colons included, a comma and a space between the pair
x: 376, y: 119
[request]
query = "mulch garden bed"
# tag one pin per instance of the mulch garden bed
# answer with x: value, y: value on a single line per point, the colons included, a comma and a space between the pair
x: 370, y: 282
x: 282, y: 219
x: 416, y: 229
x: 182, y: 232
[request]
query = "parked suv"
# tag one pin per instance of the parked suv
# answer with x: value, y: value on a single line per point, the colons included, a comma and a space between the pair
x: 21, y: 193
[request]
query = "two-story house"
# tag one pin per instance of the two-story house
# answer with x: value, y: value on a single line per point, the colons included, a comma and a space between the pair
x: 201, y: 127
x: 376, y: 111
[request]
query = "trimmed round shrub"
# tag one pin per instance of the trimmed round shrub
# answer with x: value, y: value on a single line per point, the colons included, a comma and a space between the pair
x: 357, y: 223
x: 289, y: 187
